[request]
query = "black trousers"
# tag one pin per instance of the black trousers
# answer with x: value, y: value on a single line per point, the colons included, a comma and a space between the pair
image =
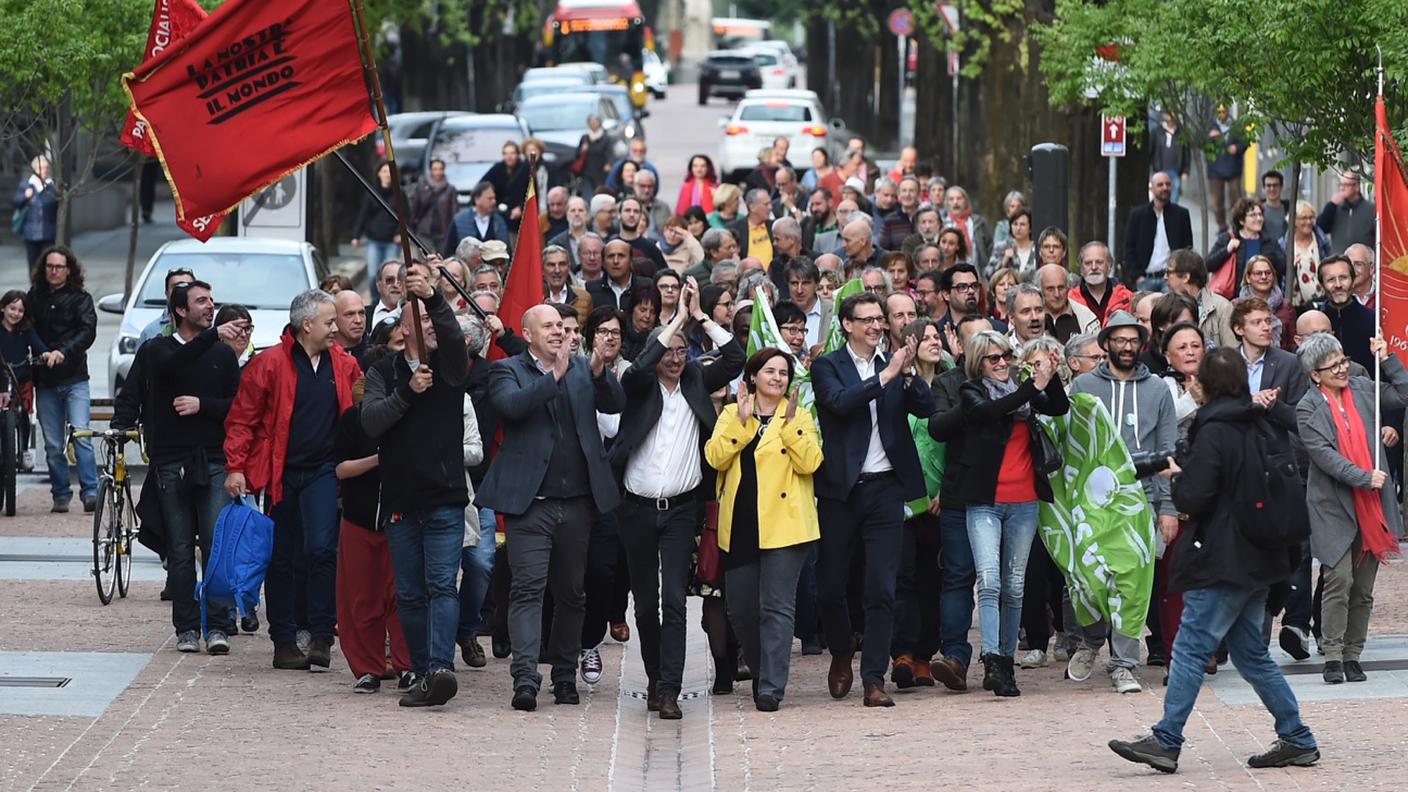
x: 917, y: 591
x: 1042, y: 596
x: 873, y: 518
x: 604, y: 565
x: 659, y: 547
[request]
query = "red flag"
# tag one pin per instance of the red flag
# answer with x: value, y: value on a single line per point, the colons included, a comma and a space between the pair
x: 171, y: 21
x: 1391, y: 202
x: 256, y: 91
x: 525, y: 275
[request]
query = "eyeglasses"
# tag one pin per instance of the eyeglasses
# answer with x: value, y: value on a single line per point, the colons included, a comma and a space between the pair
x: 960, y: 287
x: 924, y: 292
x: 1260, y: 274
x: 609, y: 333
x: 869, y: 320
x: 1359, y: 263
x: 55, y: 267
x: 390, y: 279
x: 676, y: 352
x: 1093, y: 358
x: 1123, y: 341
x: 993, y: 359
x: 793, y: 329
x: 1339, y: 365
x: 670, y: 287
x: 246, y: 330
x: 880, y: 289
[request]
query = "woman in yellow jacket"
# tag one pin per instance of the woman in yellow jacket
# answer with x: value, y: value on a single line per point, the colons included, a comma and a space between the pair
x: 765, y: 452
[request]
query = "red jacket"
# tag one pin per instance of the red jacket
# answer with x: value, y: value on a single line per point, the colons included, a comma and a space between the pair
x: 1119, y: 300
x: 256, y: 428
x: 686, y: 199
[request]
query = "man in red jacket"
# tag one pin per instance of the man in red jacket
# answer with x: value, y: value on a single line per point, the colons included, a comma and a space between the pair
x: 1097, y: 291
x: 279, y: 440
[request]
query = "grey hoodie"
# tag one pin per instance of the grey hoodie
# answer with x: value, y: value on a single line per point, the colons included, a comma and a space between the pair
x: 1143, y: 409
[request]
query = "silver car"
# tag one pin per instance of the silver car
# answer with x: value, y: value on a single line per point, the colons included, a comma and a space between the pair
x: 263, y: 275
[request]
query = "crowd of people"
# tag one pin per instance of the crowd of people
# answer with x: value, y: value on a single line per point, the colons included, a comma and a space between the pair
x: 436, y: 472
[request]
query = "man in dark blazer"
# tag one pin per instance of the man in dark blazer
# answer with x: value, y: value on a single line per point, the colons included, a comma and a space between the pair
x: 549, y: 480
x: 1141, y: 233
x: 870, y: 469
x: 658, y: 455
x: 615, y: 286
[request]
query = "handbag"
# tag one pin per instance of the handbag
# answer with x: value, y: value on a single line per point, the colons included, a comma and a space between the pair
x: 709, y: 567
x: 17, y: 220
x: 1051, y: 459
x: 1224, y: 281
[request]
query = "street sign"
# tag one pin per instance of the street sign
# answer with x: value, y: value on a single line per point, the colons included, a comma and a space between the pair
x: 952, y: 63
x: 901, y: 22
x: 950, y: 14
x: 278, y: 210
x: 1112, y: 136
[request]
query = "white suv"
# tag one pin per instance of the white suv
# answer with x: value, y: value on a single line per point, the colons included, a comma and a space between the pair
x: 762, y: 117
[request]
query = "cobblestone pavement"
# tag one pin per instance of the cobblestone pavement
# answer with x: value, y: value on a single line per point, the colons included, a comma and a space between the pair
x: 137, y: 714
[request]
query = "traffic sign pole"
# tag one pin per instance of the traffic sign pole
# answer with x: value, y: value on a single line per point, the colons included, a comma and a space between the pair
x: 1110, y: 235
x: 1112, y: 146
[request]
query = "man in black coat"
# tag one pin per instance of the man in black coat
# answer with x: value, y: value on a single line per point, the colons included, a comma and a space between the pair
x: 614, y: 290
x: 1152, y: 231
x: 658, y: 455
x: 549, y: 480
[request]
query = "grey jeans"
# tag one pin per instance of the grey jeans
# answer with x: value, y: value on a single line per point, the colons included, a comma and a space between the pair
x: 1346, y: 603
x: 1124, y: 651
x: 547, y: 549
x: 762, y: 602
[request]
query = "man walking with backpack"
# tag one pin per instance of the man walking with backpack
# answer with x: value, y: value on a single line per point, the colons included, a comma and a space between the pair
x: 193, y: 378
x: 1225, y: 568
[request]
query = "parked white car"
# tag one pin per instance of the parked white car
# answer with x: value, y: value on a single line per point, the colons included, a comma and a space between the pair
x: 761, y: 117
x: 657, y: 74
x: 777, y: 75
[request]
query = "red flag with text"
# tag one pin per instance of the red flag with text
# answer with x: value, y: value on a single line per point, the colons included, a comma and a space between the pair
x: 171, y: 21
x: 256, y: 91
x: 525, y: 275
x: 1391, y: 202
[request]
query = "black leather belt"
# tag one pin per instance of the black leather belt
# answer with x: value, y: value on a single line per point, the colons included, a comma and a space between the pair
x: 867, y: 477
x: 663, y: 504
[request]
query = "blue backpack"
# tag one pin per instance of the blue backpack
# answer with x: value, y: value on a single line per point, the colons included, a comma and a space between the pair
x: 239, y: 558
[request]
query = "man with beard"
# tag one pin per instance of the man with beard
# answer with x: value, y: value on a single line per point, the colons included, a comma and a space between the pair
x: 557, y: 212
x: 961, y: 290
x: 928, y: 287
x: 819, y: 228
x: 1027, y: 310
x: 576, y: 228
x: 1064, y: 318
x: 1096, y: 290
x: 433, y: 203
x: 1142, y: 406
x: 927, y: 225
x: 632, y: 214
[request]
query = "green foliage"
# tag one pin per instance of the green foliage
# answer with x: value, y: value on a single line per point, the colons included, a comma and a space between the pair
x: 456, y: 21
x: 1306, y: 72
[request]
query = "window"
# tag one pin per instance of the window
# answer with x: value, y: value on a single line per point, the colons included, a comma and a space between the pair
x: 559, y: 115
x: 255, y: 280
x: 776, y: 111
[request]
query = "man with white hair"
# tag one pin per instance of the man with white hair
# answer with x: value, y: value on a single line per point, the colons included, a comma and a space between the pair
x: 719, y: 245
x: 557, y: 211
x: 1097, y: 290
x: 603, y: 215
x: 576, y: 226
x: 1064, y: 316
x: 468, y: 252
x: 655, y: 210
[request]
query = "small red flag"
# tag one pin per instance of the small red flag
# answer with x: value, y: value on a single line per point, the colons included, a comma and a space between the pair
x: 256, y: 91
x: 525, y: 275
x: 171, y: 21
x: 1391, y: 203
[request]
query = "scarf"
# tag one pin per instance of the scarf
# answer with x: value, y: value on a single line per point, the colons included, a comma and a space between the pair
x: 998, y: 389
x: 1353, y: 443
x: 960, y: 221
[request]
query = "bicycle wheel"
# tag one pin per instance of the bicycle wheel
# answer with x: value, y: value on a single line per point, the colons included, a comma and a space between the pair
x: 104, y: 544
x: 9, y: 459
x: 127, y: 535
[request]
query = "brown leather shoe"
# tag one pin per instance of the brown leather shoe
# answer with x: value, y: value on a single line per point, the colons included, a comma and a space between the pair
x: 875, y: 696
x: 840, y: 678
x: 620, y: 632
x: 950, y: 672
x: 670, y: 706
x: 288, y: 658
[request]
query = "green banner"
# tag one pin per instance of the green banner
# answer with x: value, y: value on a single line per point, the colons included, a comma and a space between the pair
x: 1100, y: 528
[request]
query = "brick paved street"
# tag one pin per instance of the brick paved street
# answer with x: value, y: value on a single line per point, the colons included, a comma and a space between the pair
x: 139, y: 715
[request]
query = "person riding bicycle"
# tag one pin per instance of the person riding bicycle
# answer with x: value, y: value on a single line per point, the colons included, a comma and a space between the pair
x: 19, y: 345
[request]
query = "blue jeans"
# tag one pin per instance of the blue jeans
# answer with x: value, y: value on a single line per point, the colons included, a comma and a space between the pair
x: 1000, y: 536
x: 1210, y: 616
x: 305, y: 533
x: 478, y: 565
x: 56, y: 405
x: 377, y: 253
x: 425, y: 553
x: 189, y: 515
x: 956, y: 596
x: 1177, y: 186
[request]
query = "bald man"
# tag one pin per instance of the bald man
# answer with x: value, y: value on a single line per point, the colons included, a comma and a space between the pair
x: 351, y: 316
x: 859, y: 246
x: 1064, y: 317
x: 1361, y: 259
x: 615, y: 288
x: 549, y: 481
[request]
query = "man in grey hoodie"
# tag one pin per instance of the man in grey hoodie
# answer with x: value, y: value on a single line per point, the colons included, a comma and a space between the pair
x: 1142, y: 407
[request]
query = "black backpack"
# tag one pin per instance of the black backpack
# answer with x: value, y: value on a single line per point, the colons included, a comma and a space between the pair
x: 1271, y: 504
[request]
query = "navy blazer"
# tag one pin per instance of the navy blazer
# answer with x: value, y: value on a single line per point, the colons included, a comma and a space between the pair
x: 520, y: 392
x: 1281, y: 369
x: 843, y: 405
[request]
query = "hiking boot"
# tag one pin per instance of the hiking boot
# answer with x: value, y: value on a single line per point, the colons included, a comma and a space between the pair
x: 1036, y: 658
x: 1081, y: 665
x: 525, y: 699
x: 1333, y: 674
x: 473, y: 653
x: 591, y: 665
x: 217, y: 642
x: 287, y: 657
x: 1353, y: 672
x: 188, y: 642
x: 366, y: 683
x: 1295, y: 642
x: 1123, y: 681
x: 902, y: 672
x: 1007, y: 678
x: 1283, y: 754
x: 1147, y: 750
x: 320, y: 652
x: 992, y: 675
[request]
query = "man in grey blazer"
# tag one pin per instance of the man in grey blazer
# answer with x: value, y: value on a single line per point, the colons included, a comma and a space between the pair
x: 549, y: 479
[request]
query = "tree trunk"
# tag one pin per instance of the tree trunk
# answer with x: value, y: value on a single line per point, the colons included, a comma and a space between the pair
x: 931, y: 113
x: 433, y: 76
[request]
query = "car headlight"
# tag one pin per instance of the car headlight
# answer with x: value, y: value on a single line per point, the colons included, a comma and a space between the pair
x: 127, y: 344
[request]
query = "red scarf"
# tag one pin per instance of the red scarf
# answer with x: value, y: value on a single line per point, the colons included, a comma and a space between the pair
x: 1368, y: 503
x: 960, y: 221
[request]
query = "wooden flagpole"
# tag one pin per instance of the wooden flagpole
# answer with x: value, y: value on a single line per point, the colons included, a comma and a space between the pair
x: 1377, y: 440
x: 369, y: 64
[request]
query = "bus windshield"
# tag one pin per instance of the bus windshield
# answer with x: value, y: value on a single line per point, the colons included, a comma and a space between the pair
x: 616, y: 44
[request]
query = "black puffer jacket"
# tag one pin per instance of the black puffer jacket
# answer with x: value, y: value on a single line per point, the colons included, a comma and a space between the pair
x: 1212, y: 550
x: 66, y: 322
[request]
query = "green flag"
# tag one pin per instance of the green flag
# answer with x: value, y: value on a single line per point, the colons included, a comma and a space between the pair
x: 1100, y: 528
x: 835, y: 336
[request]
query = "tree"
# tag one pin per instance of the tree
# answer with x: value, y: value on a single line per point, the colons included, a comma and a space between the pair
x: 59, y: 66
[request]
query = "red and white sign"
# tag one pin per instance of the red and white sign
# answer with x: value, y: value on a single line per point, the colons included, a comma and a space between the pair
x: 901, y: 22
x: 1112, y: 136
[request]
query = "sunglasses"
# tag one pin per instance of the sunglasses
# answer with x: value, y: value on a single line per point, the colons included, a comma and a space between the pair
x: 996, y: 356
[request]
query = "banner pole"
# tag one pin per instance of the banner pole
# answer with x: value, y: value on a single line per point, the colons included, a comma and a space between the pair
x: 1378, y: 266
x: 424, y: 248
x: 369, y: 65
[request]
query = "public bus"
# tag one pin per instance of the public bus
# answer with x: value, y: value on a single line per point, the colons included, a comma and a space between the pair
x: 735, y: 32
x: 612, y: 33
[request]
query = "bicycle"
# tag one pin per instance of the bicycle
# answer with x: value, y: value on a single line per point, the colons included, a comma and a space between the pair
x: 12, y: 448
x: 115, y: 519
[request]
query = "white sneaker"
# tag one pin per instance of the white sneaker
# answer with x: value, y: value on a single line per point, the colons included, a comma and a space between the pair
x: 1035, y: 658
x: 1082, y: 664
x: 1061, y: 648
x: 27, y: 460
x: 591, y: 666
x: 1123, y: 681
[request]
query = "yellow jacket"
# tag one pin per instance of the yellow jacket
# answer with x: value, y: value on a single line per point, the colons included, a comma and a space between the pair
x: 786, y: 457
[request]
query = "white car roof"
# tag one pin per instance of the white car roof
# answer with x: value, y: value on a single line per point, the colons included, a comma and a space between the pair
x: 783, y: 93
x: 225, y: 244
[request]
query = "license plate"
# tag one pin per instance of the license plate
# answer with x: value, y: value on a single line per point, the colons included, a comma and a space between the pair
x: 728, y: 75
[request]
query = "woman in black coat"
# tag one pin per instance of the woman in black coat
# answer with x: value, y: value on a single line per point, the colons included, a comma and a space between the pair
x: 1248, y: 240
x: 1223, y: 575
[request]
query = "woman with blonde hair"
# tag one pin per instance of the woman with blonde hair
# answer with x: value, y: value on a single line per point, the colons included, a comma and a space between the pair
x: 1304, y: 247
x: 726, y: 198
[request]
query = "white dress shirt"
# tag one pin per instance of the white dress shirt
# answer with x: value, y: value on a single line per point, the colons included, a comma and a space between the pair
x: 814, y: 324
x: 381, y: 311
x: 1158, y: 260
x: 667, y: 462
x: 875, y: 459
